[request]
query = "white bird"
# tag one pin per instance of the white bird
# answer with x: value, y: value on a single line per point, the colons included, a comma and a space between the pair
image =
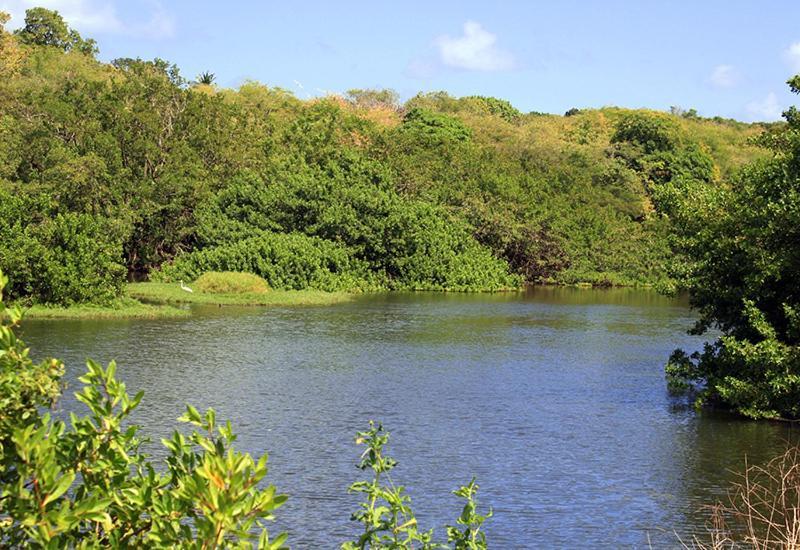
x: 184, y: 287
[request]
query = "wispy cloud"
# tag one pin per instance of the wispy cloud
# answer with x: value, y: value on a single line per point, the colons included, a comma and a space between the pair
x: 476, y: 50
x: 766, y: 109
x: 724, y: 76
x: 792, y: 56
x: 99, y: 16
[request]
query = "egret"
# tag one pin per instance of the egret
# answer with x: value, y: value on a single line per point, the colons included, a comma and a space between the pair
x: 184, y: 287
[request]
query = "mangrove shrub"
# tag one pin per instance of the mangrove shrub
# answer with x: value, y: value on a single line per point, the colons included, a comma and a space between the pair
x: 742, y: 270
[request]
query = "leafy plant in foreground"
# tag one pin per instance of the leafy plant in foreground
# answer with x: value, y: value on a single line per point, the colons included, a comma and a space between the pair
x: 386, y: 513
x: 86, y: 483
x: 469, y: 535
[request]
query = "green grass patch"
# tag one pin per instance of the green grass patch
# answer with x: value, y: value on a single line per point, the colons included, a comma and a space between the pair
x: 171, y: 293
x: 123, y: 308
x: 230, y: 282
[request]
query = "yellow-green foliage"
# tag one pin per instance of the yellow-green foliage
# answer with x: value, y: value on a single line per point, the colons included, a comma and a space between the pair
x: 122, y: 308
x: 171, y: 293
x: 171, y: 179
x: 230, y: 282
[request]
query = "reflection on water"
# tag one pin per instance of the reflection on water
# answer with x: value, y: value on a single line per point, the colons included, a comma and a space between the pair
x: 554, y: 398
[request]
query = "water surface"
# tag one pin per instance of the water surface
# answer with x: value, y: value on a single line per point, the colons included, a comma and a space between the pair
x: 555, y: 399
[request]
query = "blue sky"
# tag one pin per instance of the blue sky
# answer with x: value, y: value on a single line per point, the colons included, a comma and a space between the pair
x: 727, y: 58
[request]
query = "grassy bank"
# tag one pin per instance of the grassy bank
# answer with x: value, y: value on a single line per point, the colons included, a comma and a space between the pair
x: 159, y: 301
x: 124, y: 308
x: 171, y: 293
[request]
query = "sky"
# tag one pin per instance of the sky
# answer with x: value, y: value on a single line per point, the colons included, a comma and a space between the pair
x: 724, y: 58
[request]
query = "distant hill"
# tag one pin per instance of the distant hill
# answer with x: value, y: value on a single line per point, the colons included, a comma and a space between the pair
x: 108, y: 169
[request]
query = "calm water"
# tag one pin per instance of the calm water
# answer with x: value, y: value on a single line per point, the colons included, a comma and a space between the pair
x: 555, y: 399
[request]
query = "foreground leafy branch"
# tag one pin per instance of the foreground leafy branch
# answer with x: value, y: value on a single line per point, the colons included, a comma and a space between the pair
x: 86, y: 483
x: 386, y: 515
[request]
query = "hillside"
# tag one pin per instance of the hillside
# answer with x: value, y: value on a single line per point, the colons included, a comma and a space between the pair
x: 111, y: 171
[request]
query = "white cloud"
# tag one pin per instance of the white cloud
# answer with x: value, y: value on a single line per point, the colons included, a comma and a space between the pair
x: 792, y: 55
x: 724, y: 76
x: 474, y: 50
x: 97, y: 16
x: 767, y: 109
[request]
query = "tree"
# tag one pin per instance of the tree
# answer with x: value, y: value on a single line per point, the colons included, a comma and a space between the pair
x: 653, y: 132
x: 370, y: 99
x: 498, y: 107
x: 45, y: 27
x: 10, y: 54
x: 742, y: 271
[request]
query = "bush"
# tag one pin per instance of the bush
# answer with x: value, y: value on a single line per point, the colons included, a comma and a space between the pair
x: 58, y: 259
x: 230, y: 282
x: 742, y: 267
x: 285, y: 260
x: 434, y: 128
x: 653, y: 132
x: 396, y: 243
x: 88, y: 484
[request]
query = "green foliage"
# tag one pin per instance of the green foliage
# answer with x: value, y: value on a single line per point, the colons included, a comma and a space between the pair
x: 394, y: 242
x: 441, y: 193
x: 386, y: 514
x: 45, y: 27
x: 741, y: 270
x: 433, y: 128
x: 652, y: 132
x: 386, y: 511
x: 64, y: 259
x: 469, y: 535
x: 25, y: 386
x: 284, y: 260
x: 230, y: 282
x: 87, y: 484
x: 499, y: 107
x: 206, y: 77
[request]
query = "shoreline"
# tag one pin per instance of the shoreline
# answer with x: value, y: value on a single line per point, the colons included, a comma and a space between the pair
x: 124, y: 308
x: 150, y: 300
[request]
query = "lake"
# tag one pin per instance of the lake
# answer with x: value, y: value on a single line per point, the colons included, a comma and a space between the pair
x: 554, y: 398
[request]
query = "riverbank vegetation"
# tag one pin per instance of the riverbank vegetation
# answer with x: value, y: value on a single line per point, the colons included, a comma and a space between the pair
x: 761, y: 509
x: 111, y: 172
x: 171, y: 293
x: 741, y: 245
x: 122, y: 308
x: 122, y: 170
x: 87, y: 483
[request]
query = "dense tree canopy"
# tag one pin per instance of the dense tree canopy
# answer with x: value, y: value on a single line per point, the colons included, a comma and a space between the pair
x: 742, y: 246
x: 132, y: 171
x: 44, y: 27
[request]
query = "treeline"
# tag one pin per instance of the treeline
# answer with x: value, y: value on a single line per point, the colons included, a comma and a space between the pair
x: 113, y: 171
